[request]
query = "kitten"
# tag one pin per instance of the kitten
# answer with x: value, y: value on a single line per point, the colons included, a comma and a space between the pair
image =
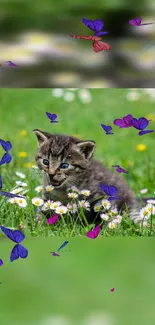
x: 67, y: 161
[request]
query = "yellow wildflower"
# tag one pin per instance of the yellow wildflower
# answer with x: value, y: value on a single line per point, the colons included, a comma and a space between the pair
x: 28, y: 165
x: 141, y: 147
x: 22, y: 154
x: 23, y: 133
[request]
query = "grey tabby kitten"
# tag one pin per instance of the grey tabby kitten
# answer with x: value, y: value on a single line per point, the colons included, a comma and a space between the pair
x: 67, y: 161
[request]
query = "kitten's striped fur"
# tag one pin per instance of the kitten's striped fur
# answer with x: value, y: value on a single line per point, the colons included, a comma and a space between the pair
x: 83, y: 172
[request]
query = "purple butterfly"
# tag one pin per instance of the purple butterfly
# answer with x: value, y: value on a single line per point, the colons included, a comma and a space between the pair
x: 137, y: 22
x: 11, y: 195
x: 107, y: 128
x: 125, y: 122
x: 11, y: 64
x: 120, y: 170
x: 53, y: 219
x: 52, y: 117
x: 1, y: 262
x: 6, y: 157
x: 63, y: 245
x: 95, y: 25
x: 94, y: 233
x: 110, y: 191
x: 16, y: 236
x: 141, y: 124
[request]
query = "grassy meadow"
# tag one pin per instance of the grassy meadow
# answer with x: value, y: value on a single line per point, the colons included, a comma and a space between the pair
x: 22, y: 111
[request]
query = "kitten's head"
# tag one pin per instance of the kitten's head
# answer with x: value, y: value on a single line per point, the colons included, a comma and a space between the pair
x: 62, y: 158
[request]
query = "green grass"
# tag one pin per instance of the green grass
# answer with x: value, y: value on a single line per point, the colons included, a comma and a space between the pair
x: 78, y: 282
x: 25, y: 110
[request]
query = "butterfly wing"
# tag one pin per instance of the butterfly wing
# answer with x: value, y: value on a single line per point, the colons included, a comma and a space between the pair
x: 133, y: 22
x: 6, y: 145
x: 8, y: 232
x: 63, y: 245
x: 128, y: 119
x: 105, y: 189
x: 6, y: 159
x: 53, y: 219
x: 54, y: 254
x: 143, y: 123
x: 18, y: 236
x: 100, y: 33
x: 104, y: 127
x: 51, y: 116
x: 89, y: 23
x: 119, y: 122
x: 99, y: 46
x: 89, y: 38
x: 112, y: 190
x: 145, y: 132
x: 138, y: 20
x: 98, y: 24
x: 1, y: 184
x: 18, y: 251
x: 96, y: 231
x: 135, y: 123
x: 1, y: 262
x: 90, y: 234
x: 109, y: 128
x: 10, y: 195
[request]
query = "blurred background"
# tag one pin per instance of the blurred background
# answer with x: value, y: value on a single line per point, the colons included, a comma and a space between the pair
x: 74, y: 289
x: 34, y: 35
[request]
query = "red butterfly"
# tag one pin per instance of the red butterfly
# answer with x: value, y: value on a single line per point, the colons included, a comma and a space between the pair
x: 101, y: 46
x: 97, y: 45
x: 89, y: 38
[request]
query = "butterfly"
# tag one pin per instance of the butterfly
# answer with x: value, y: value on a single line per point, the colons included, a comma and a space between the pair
x: 94, y: 233
x: 11, y: 195
x: 6, y: 145
x: 89, y: 38
x: 95, y: 25
x: 53, y: 219
x: 11, y: 64
x: 63, y: 245
x: 112, y: 290
x: 101, y: 46
x: 141, y: 124
x: 120, y: 170
x: 125, y: 122
x: 16, y: 236
x: 1, y: 262
x: 137, y: 22
x: 52, y: 117
x: 110, y: 191
x: 107, y: 128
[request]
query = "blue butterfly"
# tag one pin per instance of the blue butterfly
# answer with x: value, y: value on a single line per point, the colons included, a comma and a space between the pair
x: 107, y: 128
x: 63, y: 245
x: 6, y: 145
x: 141, y: 124
x: 16, y: 236
x: 11, y: 195
x: 110, y: 191
x: 11, y: 64
x: 52, y: 117
x: 1, y: 262
x: 95, y: 25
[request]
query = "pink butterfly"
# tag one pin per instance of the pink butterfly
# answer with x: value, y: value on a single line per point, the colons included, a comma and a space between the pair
x: 89, y: 38
x: 53, y: 219
x: 101, y: 46
x: 137, y: 22
x: 94, y: 233
x: 125, y: 122
x: 112, y: 290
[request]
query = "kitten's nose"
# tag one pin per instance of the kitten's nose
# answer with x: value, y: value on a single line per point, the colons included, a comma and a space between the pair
x: 52, y: 173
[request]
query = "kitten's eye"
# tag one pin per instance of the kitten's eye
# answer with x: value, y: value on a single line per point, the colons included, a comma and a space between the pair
x: 64, y: 165
x: 45, y: 162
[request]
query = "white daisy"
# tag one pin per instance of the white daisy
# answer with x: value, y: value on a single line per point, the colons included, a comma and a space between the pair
x: 85, y: 96
x: 16, y: 190
x: 39, y: 189
x: 49, y: 188
x: 144, y: 191
x: 114, y: 211
x: 21, y: 183
x: 72, y: 195
x: 133, y: 95
x: 85, y: 192
x: 145, y: 213
x: 97, y: 207
x: 151, y: 201
x: 21, y: 175
x: 69, y: 96
x: 112, y: 225
x: 84, y: 204
x: 61, y: 210
x: 55, y: 205
x: 37, y: 201
x: 21, y: 202
x: 57, y: 92
x: 46, y: 205
x: 106, y: 204
x: 104, y: 216
x: 118, y: 219
x: 72, y: 207
x: 150, y: 208
x: 13, y: 200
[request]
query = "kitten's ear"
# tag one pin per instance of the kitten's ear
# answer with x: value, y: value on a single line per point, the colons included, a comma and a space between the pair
x: 86, y: 148
x: 41, y: 136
